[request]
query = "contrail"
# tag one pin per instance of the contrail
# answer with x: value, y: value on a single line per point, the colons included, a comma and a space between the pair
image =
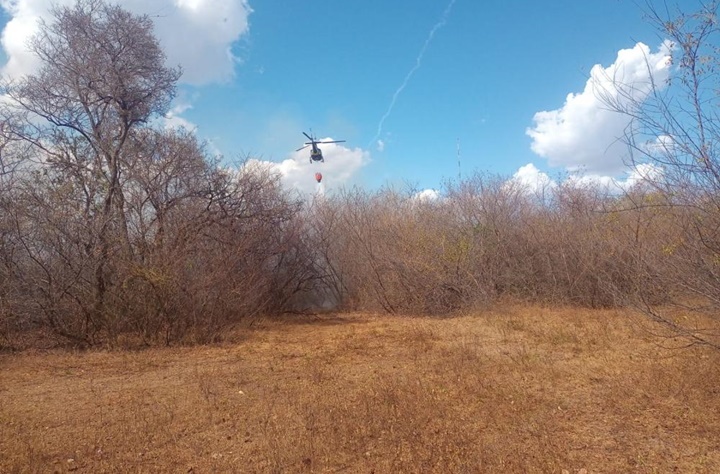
x: 418, y: 61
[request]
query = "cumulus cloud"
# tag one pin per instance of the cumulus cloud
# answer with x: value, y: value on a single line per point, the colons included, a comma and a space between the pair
x: 426, y: 195
x: 661, y: 146
x: 340, y: 167
x: 532, y: 179
x: 640, y: 175
x: 584, y: 134
x: 195, y: 34
x: 644, y: 173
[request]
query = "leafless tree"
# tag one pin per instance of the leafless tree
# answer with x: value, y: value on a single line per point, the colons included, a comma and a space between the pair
x: 674, y: 136
x: 112, y: 226
x: 102, y: 77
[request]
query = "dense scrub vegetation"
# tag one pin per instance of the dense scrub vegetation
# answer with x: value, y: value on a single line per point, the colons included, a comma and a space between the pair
x: 113, y: 229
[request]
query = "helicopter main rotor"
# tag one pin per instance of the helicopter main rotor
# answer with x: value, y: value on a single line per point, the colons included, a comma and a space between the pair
x: 316, y: 153
x: 314, y: 142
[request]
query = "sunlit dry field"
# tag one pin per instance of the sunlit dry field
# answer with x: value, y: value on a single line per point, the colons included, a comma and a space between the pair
x: 522, y: 389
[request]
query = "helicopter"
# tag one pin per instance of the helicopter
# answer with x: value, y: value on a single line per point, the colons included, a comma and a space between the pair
x: 316, y: 152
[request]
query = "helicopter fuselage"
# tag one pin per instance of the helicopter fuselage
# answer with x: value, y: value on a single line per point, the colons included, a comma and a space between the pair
x: 316, y: 155
x: 315, y: 152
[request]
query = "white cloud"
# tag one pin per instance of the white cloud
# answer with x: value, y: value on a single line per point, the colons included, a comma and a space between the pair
x: 637, y: 176
x: 173, y: 119
x: 380, y: 145
x: 584, y: 135
x: 340, y: 167
x: 532, y: 179
x: 426, y: 195
x: 643, y: 173
x: 661, y: 146
x: 196, y: 34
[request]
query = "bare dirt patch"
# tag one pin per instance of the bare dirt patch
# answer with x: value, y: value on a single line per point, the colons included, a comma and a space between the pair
x: 523, y: 389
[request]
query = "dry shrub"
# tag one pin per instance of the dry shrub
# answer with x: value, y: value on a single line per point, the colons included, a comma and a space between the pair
x: 113, y: 232
x: 112, y: 228
x: 203, y: 247
x: 209, y: 247
x: 393, y: 252
x: 488, y: 238
x: 580, y: 251
x: 215, y: 260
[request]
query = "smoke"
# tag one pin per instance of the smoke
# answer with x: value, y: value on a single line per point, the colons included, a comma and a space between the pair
x: 418, y: 62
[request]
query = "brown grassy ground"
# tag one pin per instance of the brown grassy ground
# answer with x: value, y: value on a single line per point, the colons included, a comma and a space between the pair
x: 517, y: 390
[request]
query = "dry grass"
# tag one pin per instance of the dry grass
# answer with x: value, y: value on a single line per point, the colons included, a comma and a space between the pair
x: 516, y: 390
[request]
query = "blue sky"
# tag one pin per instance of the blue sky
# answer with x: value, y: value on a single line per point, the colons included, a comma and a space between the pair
x: 486, y: 69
